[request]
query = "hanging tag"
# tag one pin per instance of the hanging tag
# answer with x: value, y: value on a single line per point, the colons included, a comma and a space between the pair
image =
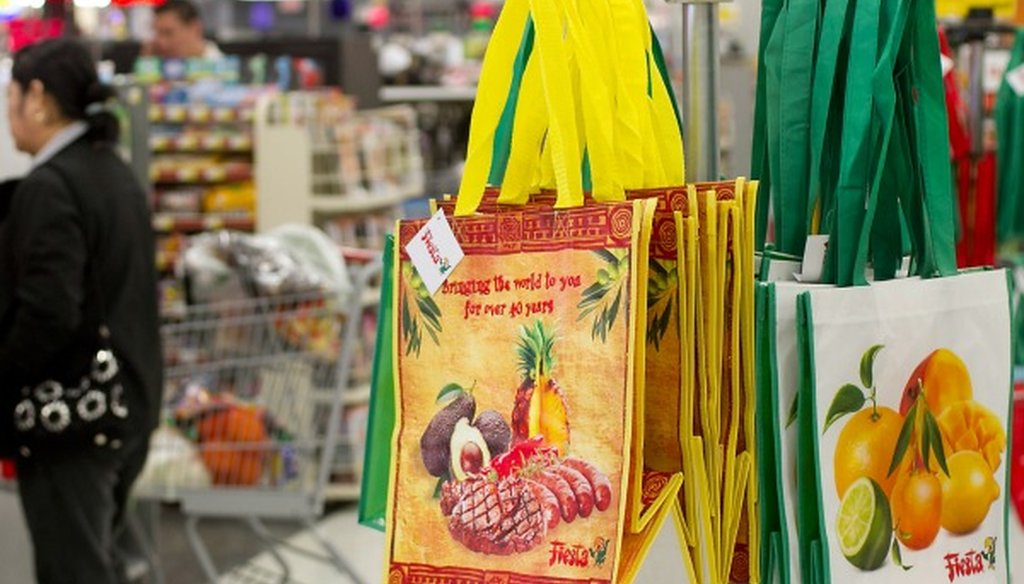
x: 947, y: 64
x: 814, y: 259
x: 435, y: 252
x: 1016, y: 80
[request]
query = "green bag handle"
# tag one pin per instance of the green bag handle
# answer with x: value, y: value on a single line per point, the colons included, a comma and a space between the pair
x: 886, y: 230
x: 373, y: 500
x: 826, y: 108
x: 797, y: 73
x: 917, y: 85
x: 1010, y: 133
x: 759, y: 167
x: 847, y: 218
x: 772, y: 65
x: 929, y: 204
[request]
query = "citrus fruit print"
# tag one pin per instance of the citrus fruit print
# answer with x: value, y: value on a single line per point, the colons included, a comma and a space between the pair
x: 970, y: 426
x: 916, y: 503
x: 864, y: 525
x: 865, y: 449
x: 967, y: 493
x: 944, y: 378
x: 912, y: 479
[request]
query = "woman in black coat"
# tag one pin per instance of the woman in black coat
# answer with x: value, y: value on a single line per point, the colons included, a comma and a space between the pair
x: 76, y: 255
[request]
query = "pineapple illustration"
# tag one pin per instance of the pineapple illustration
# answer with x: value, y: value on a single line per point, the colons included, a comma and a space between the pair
x: 540, y: 406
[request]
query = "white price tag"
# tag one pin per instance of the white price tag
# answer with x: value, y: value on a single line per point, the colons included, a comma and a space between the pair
x: 435, y: 252
x: 814, y: 259
x: 947, y: 64
x: 1016, y: 80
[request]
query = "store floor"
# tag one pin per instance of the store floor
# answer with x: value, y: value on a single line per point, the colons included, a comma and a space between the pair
x: 234, y: 547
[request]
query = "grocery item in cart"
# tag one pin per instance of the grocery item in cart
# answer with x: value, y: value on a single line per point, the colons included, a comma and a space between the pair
x: 237, y: 441
x: 228, y: 265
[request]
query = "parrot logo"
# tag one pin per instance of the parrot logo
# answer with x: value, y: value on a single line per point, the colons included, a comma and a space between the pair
x: 989, y: 555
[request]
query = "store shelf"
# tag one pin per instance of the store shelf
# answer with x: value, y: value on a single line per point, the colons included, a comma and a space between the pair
x: 361, y: 204
x: 413, y: 93
x: 342, y: 492
x: 214, y: 173
x: 213, y: 143
x: 198, y: 114
x: 166, y: 223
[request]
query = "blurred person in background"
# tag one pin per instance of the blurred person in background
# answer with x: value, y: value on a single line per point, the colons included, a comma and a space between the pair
x: 178, y: 33
x: 76, y: 261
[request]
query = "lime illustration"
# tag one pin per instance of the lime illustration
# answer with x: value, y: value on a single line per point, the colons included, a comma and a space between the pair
x: 864, y: 525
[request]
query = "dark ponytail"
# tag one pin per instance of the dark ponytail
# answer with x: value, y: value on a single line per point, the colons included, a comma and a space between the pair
x: 68, y: 74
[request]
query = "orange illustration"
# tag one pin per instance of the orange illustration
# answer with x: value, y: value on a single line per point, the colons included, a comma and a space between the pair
x: 916, y: 503
x: 865, y: 448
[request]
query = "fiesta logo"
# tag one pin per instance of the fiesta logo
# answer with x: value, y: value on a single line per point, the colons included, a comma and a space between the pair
x: 442, y: 263
x: 579, y: 556
x: 971, y: 563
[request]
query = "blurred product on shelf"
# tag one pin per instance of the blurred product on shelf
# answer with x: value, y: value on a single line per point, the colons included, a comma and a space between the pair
x: 335, y: 164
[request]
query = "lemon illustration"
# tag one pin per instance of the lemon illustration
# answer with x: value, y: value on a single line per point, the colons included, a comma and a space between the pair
x: 967, y: 493
x: 864, y: 525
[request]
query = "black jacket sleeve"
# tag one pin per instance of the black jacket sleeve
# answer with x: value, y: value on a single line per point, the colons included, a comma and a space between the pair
x: 49, y: 257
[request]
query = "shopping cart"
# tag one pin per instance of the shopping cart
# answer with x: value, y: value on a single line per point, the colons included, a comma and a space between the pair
x: 253, y: 413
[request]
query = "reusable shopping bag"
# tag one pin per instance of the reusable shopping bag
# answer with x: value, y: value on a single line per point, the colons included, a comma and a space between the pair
x: 532, y: 459
x: 726, y: 403
x: 904, y: 409
x: 556, y: 504
x: 905, y: 387
x: 373, y: 498
x: 646, y: 152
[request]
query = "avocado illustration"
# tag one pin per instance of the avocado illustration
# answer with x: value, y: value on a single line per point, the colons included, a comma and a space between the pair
x: 469, y: 452
x: 435, y: 444
x: 495, y: 430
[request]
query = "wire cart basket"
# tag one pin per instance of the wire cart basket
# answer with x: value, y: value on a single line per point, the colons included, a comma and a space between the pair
x: 253, y: 413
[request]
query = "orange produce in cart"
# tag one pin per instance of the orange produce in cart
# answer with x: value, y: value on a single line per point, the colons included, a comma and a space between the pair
x: 221, y: 434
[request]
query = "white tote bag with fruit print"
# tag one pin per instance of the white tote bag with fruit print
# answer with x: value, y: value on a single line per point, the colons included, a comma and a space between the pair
x: 904, y: 438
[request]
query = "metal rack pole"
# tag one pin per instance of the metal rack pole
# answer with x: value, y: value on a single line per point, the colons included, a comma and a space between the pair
x: 700, y: 92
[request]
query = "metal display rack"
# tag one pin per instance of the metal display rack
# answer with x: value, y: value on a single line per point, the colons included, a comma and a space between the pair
x: 701, y: 90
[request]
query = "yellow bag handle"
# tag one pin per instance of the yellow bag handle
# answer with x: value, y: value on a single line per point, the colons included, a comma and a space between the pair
x: 521, y: 176
x: 548, y: 64
x: 562, y: 138
x: 597, y: 53
x: 667, y: 136
x: 495, y: 81
x: 595, y: 99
